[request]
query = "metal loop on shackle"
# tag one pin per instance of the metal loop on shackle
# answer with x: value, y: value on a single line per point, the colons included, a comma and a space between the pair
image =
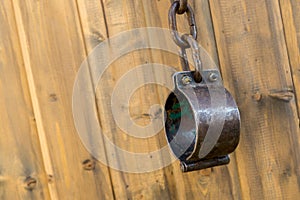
x: 195, y: 54
x: 173, y: 24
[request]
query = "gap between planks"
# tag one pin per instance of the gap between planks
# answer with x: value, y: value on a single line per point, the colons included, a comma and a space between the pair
x: 92, y: 83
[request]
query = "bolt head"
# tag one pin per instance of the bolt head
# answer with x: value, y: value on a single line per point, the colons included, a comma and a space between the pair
x: 186, y: 80
x: 213, y: 77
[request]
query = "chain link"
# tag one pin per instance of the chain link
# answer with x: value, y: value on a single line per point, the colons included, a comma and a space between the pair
x: 173, y: 23
x: 187, y: 40
x: 195, y: 54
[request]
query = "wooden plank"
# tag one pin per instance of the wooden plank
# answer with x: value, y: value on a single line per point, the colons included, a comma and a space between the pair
x: 22, y: 174
x: 291, y: 20
x: 256, y: 69
x: 116, y: 17
x: 112, y: 17
x: 219, y: 182
x: 51, y: 42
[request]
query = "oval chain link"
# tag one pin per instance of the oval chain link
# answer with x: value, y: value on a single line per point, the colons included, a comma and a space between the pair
x: 173, y: 23
x: 186, y: 40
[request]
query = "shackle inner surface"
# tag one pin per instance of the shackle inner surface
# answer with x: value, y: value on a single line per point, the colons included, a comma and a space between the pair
x: 180, y: 126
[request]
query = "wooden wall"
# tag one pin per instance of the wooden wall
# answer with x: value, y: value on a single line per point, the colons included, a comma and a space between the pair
x: 42, y: 44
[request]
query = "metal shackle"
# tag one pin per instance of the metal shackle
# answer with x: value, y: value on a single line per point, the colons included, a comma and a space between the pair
x: 202, y: 121
x: 188, y: 118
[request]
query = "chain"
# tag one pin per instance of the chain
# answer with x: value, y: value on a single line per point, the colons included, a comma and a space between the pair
x: 195, y: 54
x: 187, y: 40
x: 173, y: 22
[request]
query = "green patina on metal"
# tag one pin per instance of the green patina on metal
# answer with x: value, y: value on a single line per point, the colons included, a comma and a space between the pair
x: 179, y: 111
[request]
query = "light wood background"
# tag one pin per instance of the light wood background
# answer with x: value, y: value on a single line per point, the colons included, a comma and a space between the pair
x: 42, y: 44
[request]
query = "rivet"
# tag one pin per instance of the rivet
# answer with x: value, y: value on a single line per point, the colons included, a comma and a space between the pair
x: 213, y: 77
x: 30, y: 183
x: 186, y: 80
x: 88, y: 164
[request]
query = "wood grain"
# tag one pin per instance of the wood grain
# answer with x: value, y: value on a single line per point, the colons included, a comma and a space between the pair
x: 114, y: 17
x: 95, y: 29
x: 51, y: 39
x: 254, y: 62
x: 291, y: 20
x: 42, y: 44
x: 20, y: 154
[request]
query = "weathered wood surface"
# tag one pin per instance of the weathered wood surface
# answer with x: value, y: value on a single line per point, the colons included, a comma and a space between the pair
x: 291, y: 21
x: 52, y: 46
x: 251, y: 44
x: 21, y: 161
x: 256, y: 43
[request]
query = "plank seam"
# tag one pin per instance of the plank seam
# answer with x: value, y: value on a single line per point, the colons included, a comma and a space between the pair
x: 214, y: 36
x: 34, y: 99
x: 93, y: 85
x: 289, y: 58
x: 220, y: 67
x: 104, y: 18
